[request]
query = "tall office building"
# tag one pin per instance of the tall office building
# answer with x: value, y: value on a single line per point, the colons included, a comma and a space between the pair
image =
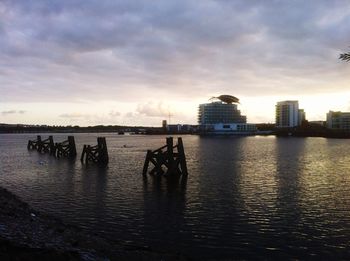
x: 287, y: 114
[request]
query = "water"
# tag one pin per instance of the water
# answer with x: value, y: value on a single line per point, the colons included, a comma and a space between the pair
x: 245, y: 197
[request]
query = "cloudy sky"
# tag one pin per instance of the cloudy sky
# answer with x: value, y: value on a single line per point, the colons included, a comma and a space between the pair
x: 135, y: 62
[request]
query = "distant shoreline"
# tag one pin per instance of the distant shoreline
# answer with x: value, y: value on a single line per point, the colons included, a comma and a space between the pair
x: 331, y: 135
x: 263, y: 129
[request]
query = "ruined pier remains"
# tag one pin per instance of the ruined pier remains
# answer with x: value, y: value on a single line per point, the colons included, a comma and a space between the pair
x: 65, y: 148
x: 42, y: 146
x: 167, y: 160
x: 34, y: 144
x: 96, y: 154
x: 58, y: 149
x: 46, y: 146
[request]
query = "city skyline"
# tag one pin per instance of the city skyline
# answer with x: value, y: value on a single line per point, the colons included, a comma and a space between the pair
x: 134, y: 63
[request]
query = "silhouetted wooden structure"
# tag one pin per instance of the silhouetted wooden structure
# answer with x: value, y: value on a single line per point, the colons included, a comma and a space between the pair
x: 345, y: 57
x: 42, y: 146
x: 65, y: 148
x: 166, y: 161
x: 34, y: 144
x: 46, y: 146
x: 96, y: 154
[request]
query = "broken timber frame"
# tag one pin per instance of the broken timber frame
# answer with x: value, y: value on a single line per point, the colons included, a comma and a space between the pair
x: 96, y: 154
x: 46, y: 146
x: 34, y: 144
x: 165, y: 157
x: 65, y: 149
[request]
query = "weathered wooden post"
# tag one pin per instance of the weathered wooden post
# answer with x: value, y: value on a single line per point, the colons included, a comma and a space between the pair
x: 96, y: 154
x: 147, y: 160
x: 34, y: 144
x: 165, y: 157
x: 170, y: 154
x: 103, y: 152
x: 65, y: 148
x: 46, y: 145
x: 83, y: 153
x: 182, y: 157
x: 72, y: 147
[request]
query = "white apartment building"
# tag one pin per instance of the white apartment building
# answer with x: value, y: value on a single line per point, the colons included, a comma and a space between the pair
x: 287, y: 114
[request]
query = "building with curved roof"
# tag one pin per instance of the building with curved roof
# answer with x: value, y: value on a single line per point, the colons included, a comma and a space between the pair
x: 222, y: 116
x: 226, y: 99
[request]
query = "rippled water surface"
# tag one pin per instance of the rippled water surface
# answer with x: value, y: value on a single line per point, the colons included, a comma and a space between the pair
x: 245, y: 197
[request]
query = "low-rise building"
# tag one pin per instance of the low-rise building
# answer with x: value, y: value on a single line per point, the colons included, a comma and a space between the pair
x: 238, y: 128
x: 338, y: 120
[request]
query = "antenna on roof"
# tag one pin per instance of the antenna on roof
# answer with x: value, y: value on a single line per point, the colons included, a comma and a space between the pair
x: 169, y: 114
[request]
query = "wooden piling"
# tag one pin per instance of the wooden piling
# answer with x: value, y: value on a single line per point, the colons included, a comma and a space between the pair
x: 96, y: 154
x: 170, y: 155
x: 34, y: 144
x: 166, y: 158
x: 65, y: 148
x: 73, y: 150
x: 182, y: 157
x: 46, y: 146
x: 147, y: 160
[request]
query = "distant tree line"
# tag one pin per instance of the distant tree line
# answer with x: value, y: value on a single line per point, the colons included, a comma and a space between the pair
x: 19, y: 128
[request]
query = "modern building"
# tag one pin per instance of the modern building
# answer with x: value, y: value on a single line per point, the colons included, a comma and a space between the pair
x: 180, y: 128
x: 164, y: 124
x: 221, y: 116
x: 301, y: 117
x: 318, y: 123
x: 288, y: 114
x: 338, y: 120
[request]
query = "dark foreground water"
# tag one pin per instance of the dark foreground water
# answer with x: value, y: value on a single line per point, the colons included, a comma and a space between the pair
x: 245, y: 197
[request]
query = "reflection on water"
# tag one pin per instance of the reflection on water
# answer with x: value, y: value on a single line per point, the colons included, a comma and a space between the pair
x: 245, y: 197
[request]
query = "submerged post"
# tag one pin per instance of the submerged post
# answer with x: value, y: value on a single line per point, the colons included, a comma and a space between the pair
x: 170, y: 156
x: 102, y: 153
x: 65, y: 148
x: 96, y: 154
x: 34, y: 144
x: 72, y: 148
x: 46, y: 146
x: 147, y: 160
x: 166, y: 158
x: 182, y: 157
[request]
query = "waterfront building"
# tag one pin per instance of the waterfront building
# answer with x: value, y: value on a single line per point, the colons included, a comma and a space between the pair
x: 221, y: 116
x: 319, y: 123
x: 338, y: 120
x: 288, y: 114
x: 301, y: 117
x: 174, y: 127
x: 164, y: 124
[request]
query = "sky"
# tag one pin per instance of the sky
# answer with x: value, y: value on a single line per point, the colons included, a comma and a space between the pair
x: 113, y: 62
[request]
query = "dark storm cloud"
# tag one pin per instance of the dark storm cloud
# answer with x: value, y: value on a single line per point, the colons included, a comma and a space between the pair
x: 125, y: 50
